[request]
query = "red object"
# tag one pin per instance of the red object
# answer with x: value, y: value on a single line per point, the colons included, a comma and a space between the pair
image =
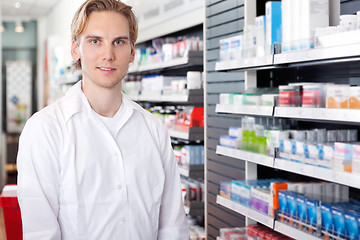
x: 190, y: 117
x: 12, y: 217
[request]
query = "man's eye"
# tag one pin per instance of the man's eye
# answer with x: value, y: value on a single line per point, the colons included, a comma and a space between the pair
x: 94, y: 41
x: 118, y: 42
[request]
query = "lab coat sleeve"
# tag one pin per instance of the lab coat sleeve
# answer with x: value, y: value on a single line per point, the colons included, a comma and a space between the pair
x: 38, y: 179
x: 172, y: 222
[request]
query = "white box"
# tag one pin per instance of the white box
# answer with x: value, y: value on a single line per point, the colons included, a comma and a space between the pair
x: 260, y: 24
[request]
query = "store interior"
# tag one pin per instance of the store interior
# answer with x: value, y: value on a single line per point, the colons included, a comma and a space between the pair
x: 261, y: 100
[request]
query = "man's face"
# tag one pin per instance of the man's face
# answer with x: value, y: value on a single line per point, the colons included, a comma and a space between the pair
x: 104, y: 49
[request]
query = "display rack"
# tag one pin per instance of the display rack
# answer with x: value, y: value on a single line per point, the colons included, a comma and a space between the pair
x: 319, y: 114
x: 191, y: 133
x: 350, y: 52
x: 191, y: 96
x: 255, y: 215
x: 344, y: 178
x: 193, y: 171
x: 195, y: 208
x: 246, y: 63
x: 314, y: 56
x: 193, y: 58
x: 245, y: 110
x: 293, y: 232
x: 245, y: 155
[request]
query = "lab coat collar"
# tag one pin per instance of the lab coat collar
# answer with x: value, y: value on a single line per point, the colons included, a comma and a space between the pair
x: 75, y: 101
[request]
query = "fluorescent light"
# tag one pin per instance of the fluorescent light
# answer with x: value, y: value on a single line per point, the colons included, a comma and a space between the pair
x: 2, y: 27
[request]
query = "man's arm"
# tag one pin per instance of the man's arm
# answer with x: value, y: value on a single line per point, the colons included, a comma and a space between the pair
x: 38, y: 180
x: 172, y: 223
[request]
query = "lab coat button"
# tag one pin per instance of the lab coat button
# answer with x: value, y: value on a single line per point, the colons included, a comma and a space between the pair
x: 123, y: 220
x: 119, y: 187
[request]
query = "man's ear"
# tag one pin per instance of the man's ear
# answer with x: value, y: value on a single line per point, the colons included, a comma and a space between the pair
x: 132, y: 53
x: 75, y: 54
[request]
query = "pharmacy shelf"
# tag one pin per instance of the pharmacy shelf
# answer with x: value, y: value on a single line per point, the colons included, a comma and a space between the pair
x: 245, y: 155
x: 293, y: 232
x: 248, y: 212
x: 188, y: 133
x: 194, y: 171
x: 320, y: 114
x: 245, y: 110
x: 191, y: 96
x: 255, y: 63
x: 350, y: 52
x: 194, y: 58
x: 194, y: 208
x: 344, y: 178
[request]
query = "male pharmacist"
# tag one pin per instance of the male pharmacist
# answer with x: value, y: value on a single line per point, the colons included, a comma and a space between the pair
x: 95, y: 165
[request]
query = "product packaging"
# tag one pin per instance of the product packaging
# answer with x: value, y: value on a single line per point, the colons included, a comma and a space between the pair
x: 260, y: 23
x: 273, y: 25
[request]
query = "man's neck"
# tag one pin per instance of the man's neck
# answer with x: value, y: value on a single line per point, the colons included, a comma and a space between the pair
x: 104, y: 101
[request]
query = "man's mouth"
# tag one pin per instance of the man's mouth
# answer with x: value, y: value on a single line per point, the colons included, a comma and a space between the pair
x: 106, y: 69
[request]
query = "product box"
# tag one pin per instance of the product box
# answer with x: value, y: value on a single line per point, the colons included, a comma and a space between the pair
x: 356, y: 159
x: 260, y: 200
x: 285, y: 149
x: 302, y: 210
x: 292, y: 207
x: 325, y: 155
x: 310, y: 153
x: 225, y: 189
x: 354, y: 100
x: 228, y: 141
x: 297, y: 151
x: 342, y: 157
x: 273, y: 25
x: 339, y: 221
x: 236, y: 47
x: 275, y: 187
x: 235, y: 132
x: 240, y: 192
x: 283, y: 207
x: 313, y: 215
x: 314, y: 14
x: 329, y: 192
x: 224, y: 45
x: 326, y: 220
x: 352, y: 224
x: 249, y: 49
x: 260, y: 24
x: 286, y: 21
x: 318, y: 191
x: 337, y: 96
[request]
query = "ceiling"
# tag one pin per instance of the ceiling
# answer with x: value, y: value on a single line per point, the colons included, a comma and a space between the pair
x: 29, y: 9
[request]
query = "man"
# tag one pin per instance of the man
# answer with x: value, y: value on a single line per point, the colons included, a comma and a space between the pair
x: 95, y: 165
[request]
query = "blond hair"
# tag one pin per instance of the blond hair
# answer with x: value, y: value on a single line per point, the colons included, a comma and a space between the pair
x: 81, y: 17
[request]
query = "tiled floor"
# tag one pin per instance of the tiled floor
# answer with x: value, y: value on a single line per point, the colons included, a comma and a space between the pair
x: 2, y: 226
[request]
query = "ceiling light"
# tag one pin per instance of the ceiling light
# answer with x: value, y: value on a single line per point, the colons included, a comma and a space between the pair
x: 19, y: 28
x: 17, y: 4
x: 2, y: 27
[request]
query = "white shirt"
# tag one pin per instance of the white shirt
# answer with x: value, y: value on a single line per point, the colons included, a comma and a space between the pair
x: 113, y: 124
x: 77, y: 182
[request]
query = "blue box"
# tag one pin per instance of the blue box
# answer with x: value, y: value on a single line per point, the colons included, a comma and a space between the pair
x: 313, y: 213
x: 327, y: 218
x: 302, y: 209
x: 273, y: 25
x: 338, y: 221
x: 352, y: 225
x: 283, y: 208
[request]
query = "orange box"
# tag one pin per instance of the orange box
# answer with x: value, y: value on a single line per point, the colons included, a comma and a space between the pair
x: 12, y: 215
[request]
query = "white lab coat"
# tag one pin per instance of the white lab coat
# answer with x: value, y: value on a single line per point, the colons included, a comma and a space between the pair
x: 76, y: 182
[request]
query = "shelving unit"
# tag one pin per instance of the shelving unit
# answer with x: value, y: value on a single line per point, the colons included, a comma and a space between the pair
x: 246, y: 63
x: 257, y: 216
x: 193, y: 58
x: 191, y: 96
x: 344, y: 178
x: 193, y: 171
x: 319, y: 114
x: 191, y: 133
x: 221, y: 166
x: 245, y: 155
x: 266, y: 111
